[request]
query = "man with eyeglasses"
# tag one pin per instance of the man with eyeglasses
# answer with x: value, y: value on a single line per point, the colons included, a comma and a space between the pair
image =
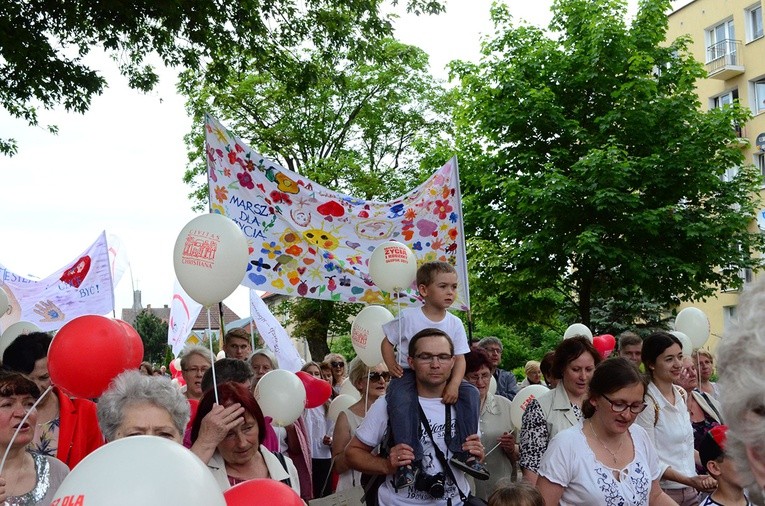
x: 507, y: 385
x: 431, y: 358
x: 236, y: 344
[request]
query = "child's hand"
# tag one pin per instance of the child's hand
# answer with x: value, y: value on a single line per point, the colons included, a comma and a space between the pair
x: 450, y: 394
x: 395, y: 370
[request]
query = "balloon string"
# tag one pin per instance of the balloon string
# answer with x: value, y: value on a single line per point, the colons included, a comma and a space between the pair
x: 23, y: 420
x: 400, y: 328
x: 209, y: 333
x: 495, y: 447
x: 366, y: 398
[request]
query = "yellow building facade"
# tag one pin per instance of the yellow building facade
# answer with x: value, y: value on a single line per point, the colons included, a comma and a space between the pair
x: 728, y: 38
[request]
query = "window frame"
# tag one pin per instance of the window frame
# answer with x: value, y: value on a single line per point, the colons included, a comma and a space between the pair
x: 712, y: 41
x: 750, y: 17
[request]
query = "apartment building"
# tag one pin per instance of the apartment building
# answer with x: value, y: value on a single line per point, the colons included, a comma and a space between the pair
x: 728, y: 38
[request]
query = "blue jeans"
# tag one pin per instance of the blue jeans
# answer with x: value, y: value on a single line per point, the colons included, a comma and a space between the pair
x: 404, y: 414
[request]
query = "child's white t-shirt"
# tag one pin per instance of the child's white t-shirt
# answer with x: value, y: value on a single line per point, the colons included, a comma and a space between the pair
x: 412, y: 320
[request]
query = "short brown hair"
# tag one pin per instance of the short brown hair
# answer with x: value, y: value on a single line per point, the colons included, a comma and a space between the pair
x: 628, y: 338
x: 427, y: 271
x: 15, y: 383
x: 569, y: 350
x: 239, y: 332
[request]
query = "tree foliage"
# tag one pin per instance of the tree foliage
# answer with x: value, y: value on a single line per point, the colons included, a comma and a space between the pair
x: 44, y: 43
x: 153, y: 332
x: 589, y: 171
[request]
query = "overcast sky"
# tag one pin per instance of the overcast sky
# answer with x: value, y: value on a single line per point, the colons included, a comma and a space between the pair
x: 119, y: 166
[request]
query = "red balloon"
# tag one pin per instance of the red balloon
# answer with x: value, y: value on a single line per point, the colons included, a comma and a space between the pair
x: 135, y: 342
x: 605, y: 344
x: 86, y: 354
x: 317, y: 391
x: 262, y: 492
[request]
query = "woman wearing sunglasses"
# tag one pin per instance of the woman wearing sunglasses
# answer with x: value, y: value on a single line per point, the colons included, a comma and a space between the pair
x: 337, y: 363
x: 605, y: 459
x: 371, y: 384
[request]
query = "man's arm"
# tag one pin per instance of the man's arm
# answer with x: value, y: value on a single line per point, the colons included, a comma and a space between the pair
x: 359, y: 457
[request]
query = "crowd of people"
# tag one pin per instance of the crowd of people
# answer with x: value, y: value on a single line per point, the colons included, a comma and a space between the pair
x: 433, y: 422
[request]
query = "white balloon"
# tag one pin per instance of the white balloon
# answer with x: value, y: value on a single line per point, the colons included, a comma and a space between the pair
x: 338, y: 404
x: 281, y: 395
x: 210, y: 258
x: 578, y: 329
x: 694, y: 323
x: 4, y: 302
x: 347, y: 388
x: 393, y: 266
x: 120, y: 474
x: 221, y: 354
x: 493, y: 386
x: 521, y: 401
x: 367, y: 333
x: 685, y: 342
x: 13, y: 331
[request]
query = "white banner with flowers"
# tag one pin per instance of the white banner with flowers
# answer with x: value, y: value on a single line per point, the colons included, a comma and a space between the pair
x: 307, y: 240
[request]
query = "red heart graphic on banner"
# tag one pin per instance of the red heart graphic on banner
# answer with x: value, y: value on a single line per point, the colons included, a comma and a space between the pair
x: 331, y: 208
x: 75, y: 275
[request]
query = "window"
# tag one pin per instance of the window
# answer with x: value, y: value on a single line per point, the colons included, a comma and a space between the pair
x: 721, y: 42
x: 759, y: 162
x: 759, y: 96
x: 753, y: 17
x: 729, y: 174
x: 729, y: 317
x: 726, y: 98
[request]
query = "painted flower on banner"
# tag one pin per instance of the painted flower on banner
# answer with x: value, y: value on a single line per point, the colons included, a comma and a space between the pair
x: 278, y: 197
x: 221, y: 194
x: 245, y: 180
x: 442, y: 209
x: 271, y: 249
x: 285, y: 184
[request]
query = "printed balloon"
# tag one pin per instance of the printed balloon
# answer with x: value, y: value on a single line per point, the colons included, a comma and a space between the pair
x: 392, y: 266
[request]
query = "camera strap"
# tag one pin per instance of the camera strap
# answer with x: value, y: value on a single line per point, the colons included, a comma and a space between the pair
x: 447, y: 438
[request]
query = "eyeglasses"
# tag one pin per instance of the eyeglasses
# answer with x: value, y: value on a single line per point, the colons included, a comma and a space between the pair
x: 493, y: 351
x: 337, y: 364
x: 375, y: 376
x: 620, y: 407
x: 196, y: 370
x: 442, y: 358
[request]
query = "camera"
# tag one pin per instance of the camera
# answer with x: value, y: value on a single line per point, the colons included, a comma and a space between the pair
x: 432, y: 484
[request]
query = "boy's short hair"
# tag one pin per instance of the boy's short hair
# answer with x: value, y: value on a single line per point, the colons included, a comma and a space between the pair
x: 427, y: 271
x: 712, y: 446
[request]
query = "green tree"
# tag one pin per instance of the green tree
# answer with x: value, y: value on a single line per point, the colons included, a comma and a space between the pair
x: 359, y: 125
x: 153, y: 332
x: 589, y: 171
x: 44, y: 43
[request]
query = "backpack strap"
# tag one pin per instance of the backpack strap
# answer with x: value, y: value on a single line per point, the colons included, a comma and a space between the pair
x: 283, y: 462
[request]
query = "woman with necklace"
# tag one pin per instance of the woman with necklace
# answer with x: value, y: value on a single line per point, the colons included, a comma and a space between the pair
x: 605, y: 459
x: 27, y: 479
x: 668, y: 422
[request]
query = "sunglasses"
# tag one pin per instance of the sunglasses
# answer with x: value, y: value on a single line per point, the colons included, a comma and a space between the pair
x: 375, y: 376
x: 337, y: 364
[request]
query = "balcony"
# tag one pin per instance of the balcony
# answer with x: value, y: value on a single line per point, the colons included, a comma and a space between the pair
x: 725, y: 60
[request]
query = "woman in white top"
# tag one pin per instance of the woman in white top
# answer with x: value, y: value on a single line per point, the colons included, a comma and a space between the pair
x: 605, y: 459
x: 371, y: 384
x: 668, y: 422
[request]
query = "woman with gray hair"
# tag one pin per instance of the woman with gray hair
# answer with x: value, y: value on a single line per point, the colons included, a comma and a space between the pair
x: 137, y: 405
x: 741, y: 367
x: 262, y: 361
x: 195, y: 361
